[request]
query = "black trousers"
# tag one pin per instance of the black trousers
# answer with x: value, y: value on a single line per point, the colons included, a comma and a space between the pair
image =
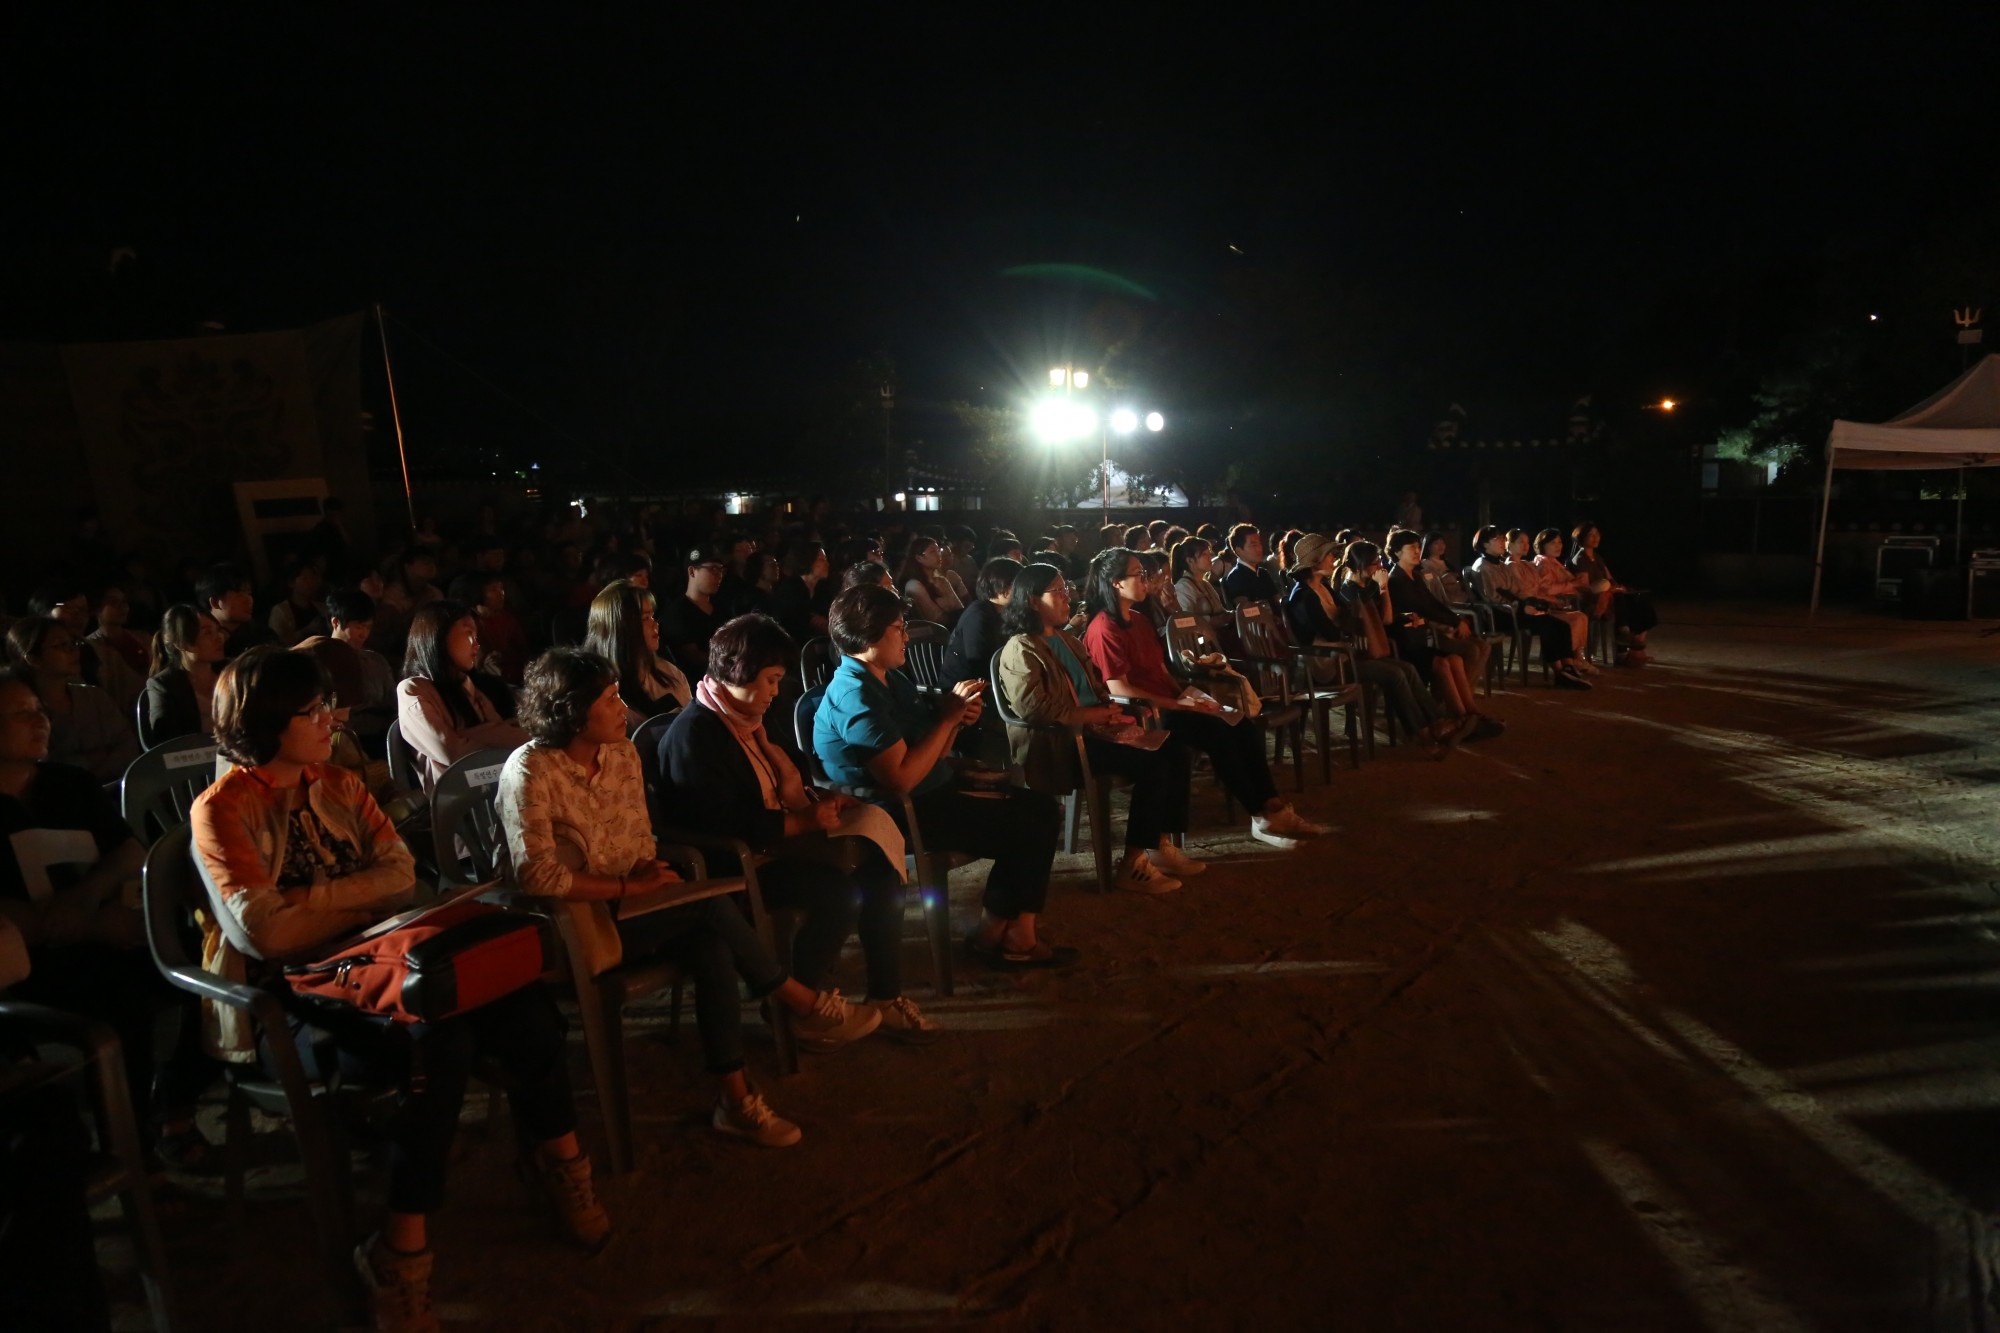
x: 523, y: 1033
x: 1553, y: 631
x: 836, y: 902
x: 1159, y: 786
x: 48, y: 1255
x: 1236, y: 750
x: 1633, y: 612
x: 123, y: 989
x: 713, y: 942
x: 1015, y: 829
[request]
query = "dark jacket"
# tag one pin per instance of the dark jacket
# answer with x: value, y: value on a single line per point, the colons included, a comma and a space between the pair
x: 1247, y: 583
x: 706, y: 783
x: 1408, y: 594
x: 974, y: 640
x: 168, y: 710
x: 1307, y: 617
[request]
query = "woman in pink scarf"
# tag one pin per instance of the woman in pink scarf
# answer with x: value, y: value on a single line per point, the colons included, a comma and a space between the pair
x: 837, y: 859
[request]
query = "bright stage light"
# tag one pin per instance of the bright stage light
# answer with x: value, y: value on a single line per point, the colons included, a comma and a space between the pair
x: 1155, y: 422
x: 1056, y: 420
x: 1124, y: 421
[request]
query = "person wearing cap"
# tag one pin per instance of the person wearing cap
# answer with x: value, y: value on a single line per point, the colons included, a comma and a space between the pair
x: 687, y: 622
x: 1359, y: 606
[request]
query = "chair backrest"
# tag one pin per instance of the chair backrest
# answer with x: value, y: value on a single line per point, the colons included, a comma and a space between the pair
x: 646, y: 740
x: 171, y: 891
x: 998, y: 697
x: 1258, y: 627
x: 1188, y: 634
x: 158, y: 789
x: 817, y: 659
x: 465, y: 814
x: 402, y: 759
x: 803, y: 713
x: 925, y: 661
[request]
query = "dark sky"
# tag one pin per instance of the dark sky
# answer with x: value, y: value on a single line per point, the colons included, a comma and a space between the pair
x: 676, y: 229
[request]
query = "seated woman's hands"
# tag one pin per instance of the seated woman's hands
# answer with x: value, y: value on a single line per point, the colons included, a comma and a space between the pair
x: 966, y: 701
x: 649, y: 876
x: 1107, y: 715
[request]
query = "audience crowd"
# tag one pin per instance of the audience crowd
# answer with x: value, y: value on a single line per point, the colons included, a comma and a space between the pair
x: 825, y: 694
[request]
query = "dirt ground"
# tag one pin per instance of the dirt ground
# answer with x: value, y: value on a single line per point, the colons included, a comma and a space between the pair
x: 1667, y: 1010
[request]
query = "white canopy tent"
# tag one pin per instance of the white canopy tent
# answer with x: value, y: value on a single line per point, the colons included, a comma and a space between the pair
x: 1956, y: 427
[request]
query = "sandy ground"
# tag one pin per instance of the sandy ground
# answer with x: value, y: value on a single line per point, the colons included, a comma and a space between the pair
x: 1673, y: 1008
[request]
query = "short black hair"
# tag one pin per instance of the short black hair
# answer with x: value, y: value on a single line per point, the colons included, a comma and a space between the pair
x: 350, y: 606
x: 218, y: 582
x: 1402, y: 537
x: 258, y: 695
x: 742, y: 649
x: 995, y: 577
x: 558, y: 691
x: 860, y: 616
x: 865, y: 573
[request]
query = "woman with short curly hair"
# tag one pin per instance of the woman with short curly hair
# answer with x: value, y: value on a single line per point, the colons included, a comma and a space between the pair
x: 573, y: 806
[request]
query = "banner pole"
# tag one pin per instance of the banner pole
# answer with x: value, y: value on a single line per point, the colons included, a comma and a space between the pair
x: 396, y: 415
x: 1819, y: 552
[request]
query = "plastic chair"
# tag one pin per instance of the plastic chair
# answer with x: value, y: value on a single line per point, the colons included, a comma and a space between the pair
x: 1320, y: 697
x: 465, y: 819
x: 159, y: 787
x: 118, y: 1169
x: 1515, y: 634
x: 817, y: 659
x: 925, y: 659
x: 931, y: 870
x: 402, y: 758
x: 1266, y: 661
x: 1090, y: 790
x: 172, y: 892
x: 1451, y: 590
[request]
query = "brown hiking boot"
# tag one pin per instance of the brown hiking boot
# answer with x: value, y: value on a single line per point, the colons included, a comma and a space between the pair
x: 566, y: 1184
x: 399, y: 1287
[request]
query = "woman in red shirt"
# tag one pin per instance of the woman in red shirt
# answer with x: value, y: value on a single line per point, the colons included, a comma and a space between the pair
x: 1128, y: 653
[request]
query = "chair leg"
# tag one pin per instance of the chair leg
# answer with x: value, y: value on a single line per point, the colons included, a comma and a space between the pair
x: 1100, y: 831
x: 601, y: 1034
x: 937, y: 929
x: 135, y: 1199
x: 674, y: 1008
x: 1299, y: 754
x: 1072, y: 816
x: 1323, y: 721
x: 235, y: 1158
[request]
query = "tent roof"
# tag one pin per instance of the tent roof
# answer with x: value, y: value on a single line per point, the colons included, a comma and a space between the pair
x: 1958, y: 426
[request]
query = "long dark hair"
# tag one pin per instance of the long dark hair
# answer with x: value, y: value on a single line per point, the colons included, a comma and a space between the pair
x: 1182, y: 554
x: 1100, y: 586
x: 1021, y: 615
x: 910, y: 570
x: 427, y: 657
x: 617, y: 633
x: 174, y: 640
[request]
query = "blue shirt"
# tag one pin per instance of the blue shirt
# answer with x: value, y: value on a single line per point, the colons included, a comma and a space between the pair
x: 860, y: 717
x: 1086, y: 693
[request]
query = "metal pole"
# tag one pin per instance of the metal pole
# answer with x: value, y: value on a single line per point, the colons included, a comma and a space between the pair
x: 1104, y: 450
x: 1958, y: 541
x: 1819, y: 555
x: 396, y: 415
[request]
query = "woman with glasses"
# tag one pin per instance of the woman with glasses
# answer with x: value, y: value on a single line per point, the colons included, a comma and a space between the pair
x: 88, y: 728
x: 297, y: 856
x: 625, y: 631
x: 446, y: 706
x: 1130, y: 658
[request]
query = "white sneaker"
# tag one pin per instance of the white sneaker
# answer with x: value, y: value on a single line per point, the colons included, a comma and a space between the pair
x: 753, y: 1119
x: 1138, y: 876
x: 834, y: 1022
x: 1261, y: 830
x: 1174, y: 861
x: 902, y: 1021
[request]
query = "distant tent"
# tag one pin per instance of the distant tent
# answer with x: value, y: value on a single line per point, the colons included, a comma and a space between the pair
x: 1956, y: 427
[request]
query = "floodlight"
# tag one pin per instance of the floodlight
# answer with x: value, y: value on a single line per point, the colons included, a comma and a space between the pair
x: 1124, y: 421
x: 1080, y: 378
x: 1057, y: 377
x: 1155, y: 422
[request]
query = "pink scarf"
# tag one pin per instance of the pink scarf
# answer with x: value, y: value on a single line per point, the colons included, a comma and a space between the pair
x: 779, y: 778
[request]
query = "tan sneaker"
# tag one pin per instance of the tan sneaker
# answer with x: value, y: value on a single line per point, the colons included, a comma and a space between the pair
x: 1174, y: 861
x: 566, y: 1184
x: 834, y: 1022
x: 1139, y: 876
x: 902, y: 1021
x: 753, y: 1119
x: 398, y: 1286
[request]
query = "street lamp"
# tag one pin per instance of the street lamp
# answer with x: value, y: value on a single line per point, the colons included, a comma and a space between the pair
x: 1057, y: 420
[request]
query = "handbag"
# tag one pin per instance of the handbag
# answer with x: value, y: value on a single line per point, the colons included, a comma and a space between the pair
x: 434, y: 963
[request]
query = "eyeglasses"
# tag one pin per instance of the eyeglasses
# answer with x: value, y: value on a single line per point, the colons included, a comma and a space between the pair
x: 317, y: 712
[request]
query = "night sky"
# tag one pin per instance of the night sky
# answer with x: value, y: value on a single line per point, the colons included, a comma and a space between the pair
x: 681, y: 231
